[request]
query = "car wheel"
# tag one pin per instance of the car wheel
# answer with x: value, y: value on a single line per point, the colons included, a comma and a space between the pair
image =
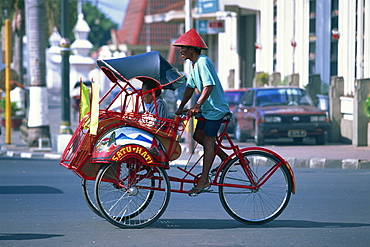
x: 259, y: 138
x: 239, y: 135
x: 320, y: 139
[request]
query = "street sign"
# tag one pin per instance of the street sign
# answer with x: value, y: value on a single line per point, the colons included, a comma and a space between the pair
x: 210, y: 26
x: 207, y: 6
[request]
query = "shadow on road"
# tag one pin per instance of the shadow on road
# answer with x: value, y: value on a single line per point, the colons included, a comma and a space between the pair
x: 29, y: 189
x: 229, y: 224
x: 26, y: 236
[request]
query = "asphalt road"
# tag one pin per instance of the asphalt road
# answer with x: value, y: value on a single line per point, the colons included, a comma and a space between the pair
x: 41, y: 204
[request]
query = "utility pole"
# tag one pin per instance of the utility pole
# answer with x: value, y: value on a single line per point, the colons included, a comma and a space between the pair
x: 8, y: 113
x: 147, y: 28
x: 188, y: 16
x: 188, y: 26
x: 65, y: 125
x: 293, y: 42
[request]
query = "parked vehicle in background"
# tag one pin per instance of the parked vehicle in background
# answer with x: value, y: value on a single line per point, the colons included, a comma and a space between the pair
x: 279, y: 112
x: 234, y: 97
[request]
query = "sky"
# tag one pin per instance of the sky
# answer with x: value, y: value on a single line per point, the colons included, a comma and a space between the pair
x: 113, y: 9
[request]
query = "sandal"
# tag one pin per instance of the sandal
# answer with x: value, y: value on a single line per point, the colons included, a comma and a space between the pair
x: 200, y: 189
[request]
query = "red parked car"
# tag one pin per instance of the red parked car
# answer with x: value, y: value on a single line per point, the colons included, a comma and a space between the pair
x: 279, y: 112
x: 234, y: 97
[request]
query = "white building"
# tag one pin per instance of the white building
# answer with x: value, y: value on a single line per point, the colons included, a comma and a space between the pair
x: 305, y: 37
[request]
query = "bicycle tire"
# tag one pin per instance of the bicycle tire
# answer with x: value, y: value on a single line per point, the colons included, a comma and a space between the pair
x: 261, y: 205
x: 88, y: 193
x: 131, y: 194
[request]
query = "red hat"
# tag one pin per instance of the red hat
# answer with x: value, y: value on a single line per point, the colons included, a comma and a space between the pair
x: 191, y: 38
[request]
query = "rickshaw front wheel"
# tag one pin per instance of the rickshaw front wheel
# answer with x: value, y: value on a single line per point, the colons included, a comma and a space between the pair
x: 255, y: 205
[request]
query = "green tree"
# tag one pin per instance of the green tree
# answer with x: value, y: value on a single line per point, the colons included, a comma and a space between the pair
x: 99, y: 24
x: 14, y: 10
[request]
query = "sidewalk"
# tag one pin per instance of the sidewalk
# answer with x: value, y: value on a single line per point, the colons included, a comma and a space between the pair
x: 306, y: 155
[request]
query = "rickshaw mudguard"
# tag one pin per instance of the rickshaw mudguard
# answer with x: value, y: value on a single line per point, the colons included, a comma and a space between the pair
x: 119, y: 142
x: 286, y: 164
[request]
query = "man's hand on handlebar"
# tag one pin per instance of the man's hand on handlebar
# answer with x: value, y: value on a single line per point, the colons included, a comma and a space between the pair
x: 180, y: 111
x: 195, y: 110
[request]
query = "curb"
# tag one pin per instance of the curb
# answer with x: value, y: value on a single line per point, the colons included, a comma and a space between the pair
x: 328, y: 163
x: 30, y: 155
x: 313, y: 163
x: 57, y: 156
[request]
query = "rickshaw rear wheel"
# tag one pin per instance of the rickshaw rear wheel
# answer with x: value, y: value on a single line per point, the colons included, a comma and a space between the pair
x: 88, y: 193
x: 132, y: 194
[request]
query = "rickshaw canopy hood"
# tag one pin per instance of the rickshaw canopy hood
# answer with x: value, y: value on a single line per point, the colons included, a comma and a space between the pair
x: 147, y: 65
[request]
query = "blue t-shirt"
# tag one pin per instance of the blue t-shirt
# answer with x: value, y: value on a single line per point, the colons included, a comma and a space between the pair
x: 204, y: 74
x: 162, y: 108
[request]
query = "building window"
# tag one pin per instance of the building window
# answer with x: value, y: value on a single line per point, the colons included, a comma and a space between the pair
x: 333, y: 68
x: 311, y: 67
x: 334, y: 5
x: 334, y: 51
x: 312, y: 16
x: 312, y: 7
x: 334, y: 22
x: 312, y: 50
x: 312, y: 26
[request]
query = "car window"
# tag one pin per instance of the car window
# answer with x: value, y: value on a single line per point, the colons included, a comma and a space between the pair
x: 248, y: 98
x: 234, y: 97
x: 282, y: 96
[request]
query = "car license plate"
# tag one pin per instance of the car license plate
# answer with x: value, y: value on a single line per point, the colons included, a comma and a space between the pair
x: 297, y: 133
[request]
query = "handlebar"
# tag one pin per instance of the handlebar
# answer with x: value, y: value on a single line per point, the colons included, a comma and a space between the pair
x: 186, y: 113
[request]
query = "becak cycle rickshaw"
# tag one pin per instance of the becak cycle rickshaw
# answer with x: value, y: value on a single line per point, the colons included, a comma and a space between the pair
x: 125, y: 163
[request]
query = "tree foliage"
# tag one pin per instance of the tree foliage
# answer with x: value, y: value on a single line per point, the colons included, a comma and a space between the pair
x: 367, y: 106
x: 99, y: 24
